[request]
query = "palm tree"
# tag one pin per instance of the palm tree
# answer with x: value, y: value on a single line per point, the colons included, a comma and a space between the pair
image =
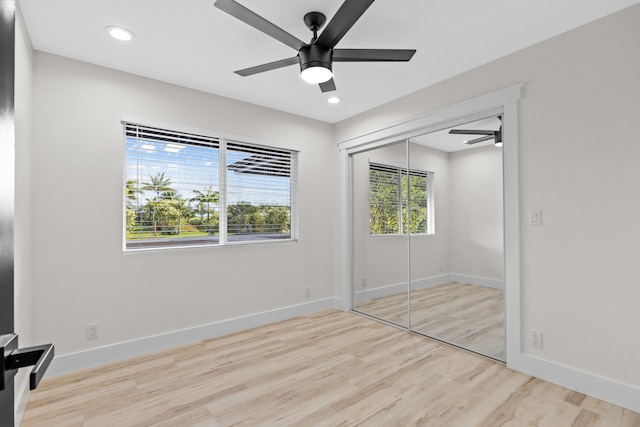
x: 206, y: 198
x: 158, y: 183
x: 178, y: 209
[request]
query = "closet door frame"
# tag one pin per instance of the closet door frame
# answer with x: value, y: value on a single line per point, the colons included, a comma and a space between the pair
x: 503, y: 101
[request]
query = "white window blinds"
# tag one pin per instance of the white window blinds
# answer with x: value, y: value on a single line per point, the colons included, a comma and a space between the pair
x: 400, y: 200
x: 259, y: 192
x: 184, y: 189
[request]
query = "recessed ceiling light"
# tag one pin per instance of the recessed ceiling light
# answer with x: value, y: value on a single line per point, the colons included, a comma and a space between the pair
x: 120, y: 33
x: 334, y: 100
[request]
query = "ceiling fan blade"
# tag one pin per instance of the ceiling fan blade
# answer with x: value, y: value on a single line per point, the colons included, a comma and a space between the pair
x: 328, y: 86
x: 471, y: 132
x: 258, y: 22
x: 372, y: 55
x: 267, y: 67
x: 482, y: 138
x: 342, y: 21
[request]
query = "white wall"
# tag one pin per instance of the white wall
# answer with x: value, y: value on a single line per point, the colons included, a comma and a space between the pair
x: 429, y: 252
x: 579, y: 156
x: 23, y: 208
x: 81, y: 275
x: 477, y: 237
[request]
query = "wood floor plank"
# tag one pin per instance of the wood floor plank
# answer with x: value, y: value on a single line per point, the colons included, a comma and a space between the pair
x: 459, y: 313
x: 325, y: 369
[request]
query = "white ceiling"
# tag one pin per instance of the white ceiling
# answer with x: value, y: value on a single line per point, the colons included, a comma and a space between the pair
x: 193, y: 44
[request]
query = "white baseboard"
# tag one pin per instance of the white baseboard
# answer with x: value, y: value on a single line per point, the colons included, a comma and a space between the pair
x: 430, y: 282
x: 398, y: 288
x: 477, y: 281
x: 67, y: 363
x: 624, y: 395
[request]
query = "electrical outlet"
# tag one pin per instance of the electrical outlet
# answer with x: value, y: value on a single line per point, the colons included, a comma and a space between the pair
x: 536, y: 338
x: 92, y: 331
x: 306, y: 292
x: 364, y: 282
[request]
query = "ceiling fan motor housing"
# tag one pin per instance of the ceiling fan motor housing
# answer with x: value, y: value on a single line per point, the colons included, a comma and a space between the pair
x: 315, y: 55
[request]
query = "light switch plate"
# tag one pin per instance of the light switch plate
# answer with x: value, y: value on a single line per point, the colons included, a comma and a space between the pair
x: 535, y: 217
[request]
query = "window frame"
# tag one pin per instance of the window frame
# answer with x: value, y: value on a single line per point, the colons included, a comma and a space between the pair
x: 223, y: 187
x: 403, y: 173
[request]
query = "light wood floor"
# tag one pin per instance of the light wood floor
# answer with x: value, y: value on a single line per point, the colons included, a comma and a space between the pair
x: 327, y: 369
x: 459, y: 313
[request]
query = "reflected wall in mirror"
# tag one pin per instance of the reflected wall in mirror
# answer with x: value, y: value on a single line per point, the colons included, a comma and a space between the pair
x: 464, y: 307
x: 380, y: 243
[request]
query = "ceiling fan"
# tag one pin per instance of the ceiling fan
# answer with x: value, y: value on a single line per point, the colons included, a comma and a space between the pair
x: 317, y: 56
x: 488, y: 134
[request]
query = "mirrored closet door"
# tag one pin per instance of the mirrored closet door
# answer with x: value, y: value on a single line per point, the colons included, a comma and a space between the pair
x: 428, y: 235
x: 380, y: 250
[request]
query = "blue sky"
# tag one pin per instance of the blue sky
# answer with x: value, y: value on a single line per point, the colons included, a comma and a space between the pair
x: 191, y: 167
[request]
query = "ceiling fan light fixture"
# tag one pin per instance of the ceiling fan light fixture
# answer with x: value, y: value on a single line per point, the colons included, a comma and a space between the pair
x: 314, y: 75
x: 315, y: 64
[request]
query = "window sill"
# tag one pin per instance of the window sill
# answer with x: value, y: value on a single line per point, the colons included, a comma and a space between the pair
x: 170, y: 245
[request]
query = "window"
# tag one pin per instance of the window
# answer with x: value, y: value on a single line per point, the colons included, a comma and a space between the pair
x: 184, y: 189
x: 400, y: 202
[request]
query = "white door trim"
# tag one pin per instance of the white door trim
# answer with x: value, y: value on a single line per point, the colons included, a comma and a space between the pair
x: 504, y: 101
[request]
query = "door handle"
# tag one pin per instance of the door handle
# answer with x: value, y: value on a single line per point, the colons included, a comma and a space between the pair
x: 39, y: 357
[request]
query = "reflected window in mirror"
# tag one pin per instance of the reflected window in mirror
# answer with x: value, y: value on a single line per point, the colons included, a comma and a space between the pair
x: 401, y: 201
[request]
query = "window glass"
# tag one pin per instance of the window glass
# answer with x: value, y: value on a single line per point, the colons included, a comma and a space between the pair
x: 258, y: 193
x: 400, y: 201
x: 174, y: 196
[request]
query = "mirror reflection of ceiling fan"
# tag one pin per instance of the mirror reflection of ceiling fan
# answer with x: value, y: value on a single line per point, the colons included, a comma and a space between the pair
x: 316, y: 57
x: 496, y: 135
